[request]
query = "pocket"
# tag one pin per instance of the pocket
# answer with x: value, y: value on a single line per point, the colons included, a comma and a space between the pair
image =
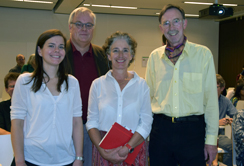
x: 192, y: 82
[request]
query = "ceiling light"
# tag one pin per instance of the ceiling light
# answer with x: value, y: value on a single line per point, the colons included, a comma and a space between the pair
x: 204, y: 3
x: 189, y: 15
x: 34, y: 1
x: 109, y: 6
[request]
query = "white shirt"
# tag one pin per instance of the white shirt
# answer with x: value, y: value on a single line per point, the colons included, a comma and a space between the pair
x: 48, y: 123
x: 129, y: 107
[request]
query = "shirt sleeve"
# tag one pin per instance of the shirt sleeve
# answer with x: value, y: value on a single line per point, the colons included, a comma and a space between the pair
x: 19, y: 102
x: 93, y: 111
x: 150, y: 76
x: 77, y: 112
x: 145, y: 123
x: 231, y: 110
x: 210, y: 101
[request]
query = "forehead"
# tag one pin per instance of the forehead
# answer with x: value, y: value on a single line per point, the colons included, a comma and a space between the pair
x: 11, y: 82
x: 20, y: 56
x: 119, y: 43
x: 57, y: 39
x: 171, y: 14
x: 83, y: 17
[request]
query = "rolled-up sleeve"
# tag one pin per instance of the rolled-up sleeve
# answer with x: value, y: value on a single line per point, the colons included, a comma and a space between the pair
x: 77, y: 112
x: 145, y: 123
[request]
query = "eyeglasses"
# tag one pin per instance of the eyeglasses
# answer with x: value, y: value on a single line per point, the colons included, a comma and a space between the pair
x: 80, y: 25
x: 21, y: 59
x: 11, y: 86
x: 175, y: 22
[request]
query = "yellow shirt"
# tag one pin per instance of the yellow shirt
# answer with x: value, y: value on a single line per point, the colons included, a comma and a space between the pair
x: 187, y: 88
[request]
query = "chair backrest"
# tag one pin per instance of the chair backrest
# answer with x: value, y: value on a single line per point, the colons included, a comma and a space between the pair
x: 240, y: 105
x: 233, y: 147
x: 6, y: 150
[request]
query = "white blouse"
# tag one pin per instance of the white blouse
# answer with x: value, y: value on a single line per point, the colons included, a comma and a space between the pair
x: 130, y: 107
x: 48, y: 123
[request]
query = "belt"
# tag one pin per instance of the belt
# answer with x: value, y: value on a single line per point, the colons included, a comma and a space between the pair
x: 191, y: 118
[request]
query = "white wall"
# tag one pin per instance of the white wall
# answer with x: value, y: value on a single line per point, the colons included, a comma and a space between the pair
x: 20, y: 29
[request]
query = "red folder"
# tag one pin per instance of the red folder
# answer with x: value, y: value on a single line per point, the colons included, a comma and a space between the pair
x: 119, y: 136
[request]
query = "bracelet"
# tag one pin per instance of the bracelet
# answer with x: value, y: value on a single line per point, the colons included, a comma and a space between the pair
x: 79, y: 158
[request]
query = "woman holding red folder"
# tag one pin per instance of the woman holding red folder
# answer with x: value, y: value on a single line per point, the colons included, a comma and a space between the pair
x: 119, y: 96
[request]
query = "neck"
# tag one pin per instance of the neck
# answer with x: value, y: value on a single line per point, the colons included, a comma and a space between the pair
x: 51, y: 71
x: 120, y: 75
x: 81, y: 47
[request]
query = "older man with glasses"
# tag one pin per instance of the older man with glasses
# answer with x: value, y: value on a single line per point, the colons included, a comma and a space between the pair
x: 87, y: 62
x: 20, y: 59
x: 181, y: 77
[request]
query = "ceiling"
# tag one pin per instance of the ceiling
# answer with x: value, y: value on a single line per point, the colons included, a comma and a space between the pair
x: 144, y: 7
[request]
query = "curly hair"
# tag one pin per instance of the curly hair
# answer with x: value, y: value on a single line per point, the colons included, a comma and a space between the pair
x: 121, y: 35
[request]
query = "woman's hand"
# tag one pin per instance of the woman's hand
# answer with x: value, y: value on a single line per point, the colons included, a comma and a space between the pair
x: 78, y: 163
x: 123, y: 152
x: 112, y: 155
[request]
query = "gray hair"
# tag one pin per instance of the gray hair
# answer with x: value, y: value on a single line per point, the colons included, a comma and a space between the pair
x: 81, y: 10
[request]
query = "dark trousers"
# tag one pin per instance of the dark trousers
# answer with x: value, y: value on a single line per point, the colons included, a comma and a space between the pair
x: 30, y: 164
x: 177, y: 143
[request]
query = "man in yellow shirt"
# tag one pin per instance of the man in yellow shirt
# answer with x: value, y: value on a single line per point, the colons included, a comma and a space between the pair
x: 183, y: 90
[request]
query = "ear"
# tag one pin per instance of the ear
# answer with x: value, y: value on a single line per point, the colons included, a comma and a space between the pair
x: 131, y: 57
x: 222, y: 89
x: 39, y: 51
x: 109, y: 57
x: 184, y: 23
x: 161, y: 28
x: 70, y: 27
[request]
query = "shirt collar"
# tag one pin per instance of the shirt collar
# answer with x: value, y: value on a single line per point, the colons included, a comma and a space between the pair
x: 74, y: 49
x: 109, y: 75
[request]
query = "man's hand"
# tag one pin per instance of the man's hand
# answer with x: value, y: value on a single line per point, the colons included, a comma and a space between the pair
x: 210, y: 152
x: 223, y: 122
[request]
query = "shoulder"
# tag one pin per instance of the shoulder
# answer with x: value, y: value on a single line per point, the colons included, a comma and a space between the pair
x: 140, y: 81
x: 192, y: 47
x: 5, y: 103
x: 25, y: 77
x: 98, y: 51
x: 158, y: 52
x: 72, y: 80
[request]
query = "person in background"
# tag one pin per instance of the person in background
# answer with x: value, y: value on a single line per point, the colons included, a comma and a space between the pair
x: 87, y: 61
x: 20, y: 59
x: 241, y: 75
x: 182, y: 81
x: 46, y: 109
x: 239, y: 94
x: 5, y: 122
x: 120, y: 96
x: 29, y: 67
x: 231, y: 93
x: 225, y: 108
x: 238, y: 132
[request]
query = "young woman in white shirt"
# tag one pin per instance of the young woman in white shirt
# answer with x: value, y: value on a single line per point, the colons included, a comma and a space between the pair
x: 46, y: 109
x: 120, y: 96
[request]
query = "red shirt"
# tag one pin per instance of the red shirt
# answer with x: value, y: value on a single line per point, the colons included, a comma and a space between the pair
x: 85, y: 71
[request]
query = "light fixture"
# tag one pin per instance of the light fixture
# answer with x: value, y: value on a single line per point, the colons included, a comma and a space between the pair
x: 204, y: 3
x: 34, y: 1
x: 188, y: 15
x: 110, y: 6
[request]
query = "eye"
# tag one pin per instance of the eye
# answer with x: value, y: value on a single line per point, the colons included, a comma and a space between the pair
x: 78, y: 24
x: 115, y: 51
x: 166, y: 23
x: 61, y: 47
x: 89, y: 25
x: 126, y: 50
x: 51, y: 45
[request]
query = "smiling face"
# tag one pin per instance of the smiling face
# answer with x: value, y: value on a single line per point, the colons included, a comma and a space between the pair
x: 120, y: 54
x: 172, y: 26
x: 52, y: 52
x: 83, y: 35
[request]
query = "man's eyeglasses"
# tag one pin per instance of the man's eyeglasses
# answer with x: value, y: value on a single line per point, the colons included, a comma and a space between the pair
x: 80, y: 25
x: 175, y: 22
x: 11, y: 86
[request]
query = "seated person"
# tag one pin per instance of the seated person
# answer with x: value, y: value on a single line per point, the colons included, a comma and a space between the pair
x: 5, y: 123
x: 225, y: 108
x: 238, y: 131
x: 29, y: 67
x: 231, y: 93
x: 239, y: 94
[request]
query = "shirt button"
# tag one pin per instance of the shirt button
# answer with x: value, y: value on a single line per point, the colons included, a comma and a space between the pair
x: 175, y: 94
x: 175, y: 68
x: 175, y: 107
x: 175, y: 81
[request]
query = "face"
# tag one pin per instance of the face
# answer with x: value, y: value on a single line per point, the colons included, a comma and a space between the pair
x: 242, y: 92
x: 172, y: 26
x: 120, y: 54
x: 82, y: 35
x: 53, y: 51
x: 219, y: 89
x: 20, y: 60
x: 10, y: 89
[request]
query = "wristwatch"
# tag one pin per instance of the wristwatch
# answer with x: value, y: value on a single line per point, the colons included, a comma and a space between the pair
x: 79, y: 158
x: 129, y: 147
